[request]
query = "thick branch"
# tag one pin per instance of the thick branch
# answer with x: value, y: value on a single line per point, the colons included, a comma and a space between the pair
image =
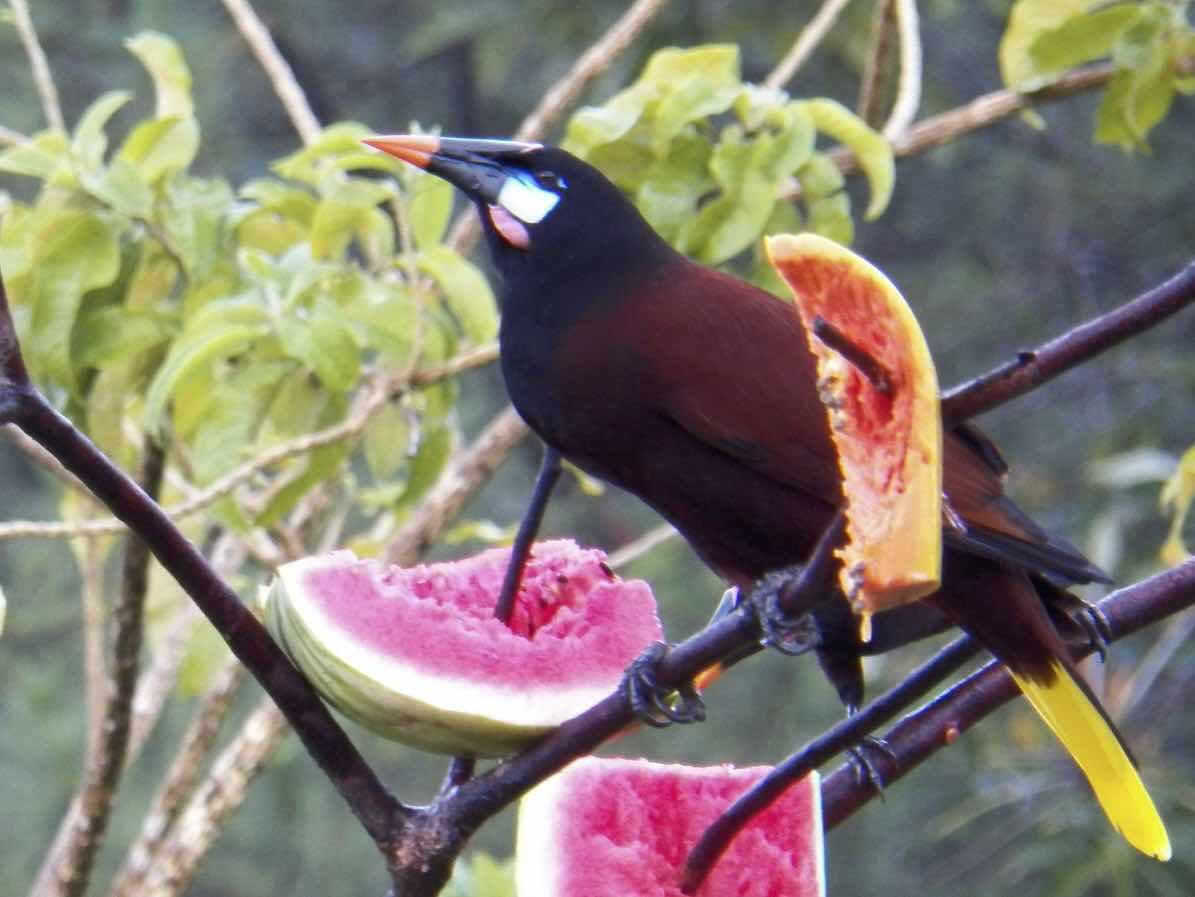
x: 941, y: 721
x: 1078, y: 345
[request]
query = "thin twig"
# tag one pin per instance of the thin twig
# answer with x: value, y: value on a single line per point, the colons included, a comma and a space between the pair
x: 640, y: 546
x: 179, y: 782
x: 908, y: 86
x: 979, y: 113
x: 9, y: 137
x: 807, y: 41
x: 90, y: 559
x: 218, y: 797
x: 149, y: 699
x: 873, y: 84
x: 43, y: 459
x: 375, y: 399
x: 277, y: 69
x: 107, y: 761
x: 1078, y: 345
x: 39, y: 66
x: 565, y: 93
x: 465, y: 473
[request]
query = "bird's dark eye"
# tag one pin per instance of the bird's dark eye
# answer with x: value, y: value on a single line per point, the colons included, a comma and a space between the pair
x: 550, y: 180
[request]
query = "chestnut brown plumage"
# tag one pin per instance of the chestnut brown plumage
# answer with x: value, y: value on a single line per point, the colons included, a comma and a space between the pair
x: 696, y: 392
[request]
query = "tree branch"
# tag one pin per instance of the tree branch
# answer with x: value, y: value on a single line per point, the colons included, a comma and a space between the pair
x: 807, y: 41
x: 147, y: 852
x: 940, y: 722
x: 39, y: 66
x: 22, y: 404
x: 1030, y: 370
x: 106, y: 761
x: 277, y: 69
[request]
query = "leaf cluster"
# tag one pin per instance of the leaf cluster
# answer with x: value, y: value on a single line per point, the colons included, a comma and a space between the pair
x: 704, y: 154
x: 1150, y: 42
x: 149, y: 298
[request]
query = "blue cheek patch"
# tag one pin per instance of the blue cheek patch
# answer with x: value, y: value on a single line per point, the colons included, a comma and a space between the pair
x: 525, y: 199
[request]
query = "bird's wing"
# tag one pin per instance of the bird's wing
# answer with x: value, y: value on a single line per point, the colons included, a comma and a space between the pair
x: 738, y: 376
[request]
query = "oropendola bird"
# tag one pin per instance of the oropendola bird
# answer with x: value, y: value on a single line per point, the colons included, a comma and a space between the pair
x: 697, y: 392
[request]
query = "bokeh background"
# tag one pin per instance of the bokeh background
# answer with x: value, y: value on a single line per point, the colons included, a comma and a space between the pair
x: 999, y: 240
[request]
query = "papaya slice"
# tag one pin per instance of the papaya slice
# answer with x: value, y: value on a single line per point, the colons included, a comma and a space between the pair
x: 878, y: 383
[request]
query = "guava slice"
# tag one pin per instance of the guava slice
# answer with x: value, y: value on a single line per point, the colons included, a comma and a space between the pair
x: 417, y: 655
x: 888, y: 434
x: 607, y: 827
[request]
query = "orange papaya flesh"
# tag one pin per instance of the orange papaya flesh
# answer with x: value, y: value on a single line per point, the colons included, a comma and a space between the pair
x: 878, y: 383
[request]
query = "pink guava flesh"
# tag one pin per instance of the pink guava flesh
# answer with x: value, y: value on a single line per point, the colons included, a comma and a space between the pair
x: 625, y: 827
x: 574, y: 621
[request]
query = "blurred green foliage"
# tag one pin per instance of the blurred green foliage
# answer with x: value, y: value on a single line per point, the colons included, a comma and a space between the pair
x: 230, y: 290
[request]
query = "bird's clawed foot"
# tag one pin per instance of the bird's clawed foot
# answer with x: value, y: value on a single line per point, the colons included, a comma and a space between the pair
x: 864, y: 766
x: 779, y: 629
x: 1091, y: 620
x: 653, y: 704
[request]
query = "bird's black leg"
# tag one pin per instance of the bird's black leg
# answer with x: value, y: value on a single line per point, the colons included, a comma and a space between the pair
x: 844, y: 669
x: 783, y: 600
x: 545, y: 481
x: 654, y: 705
x: 1087, y: 617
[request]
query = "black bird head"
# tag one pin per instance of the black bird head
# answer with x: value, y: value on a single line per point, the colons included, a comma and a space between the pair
x: 542, y: 208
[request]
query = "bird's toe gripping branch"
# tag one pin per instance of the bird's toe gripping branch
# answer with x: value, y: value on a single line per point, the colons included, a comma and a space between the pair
x: 788, y: 633
x: 652, y: 703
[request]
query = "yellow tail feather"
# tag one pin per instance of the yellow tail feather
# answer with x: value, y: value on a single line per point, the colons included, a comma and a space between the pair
x: 1084, y: 732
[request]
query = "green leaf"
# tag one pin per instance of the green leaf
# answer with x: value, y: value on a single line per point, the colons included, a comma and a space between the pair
x: 332, y: 352
x: 1027, y: 21
x: 161, y: 147
x: 107, y: 335
x: 872, y: 149
x: 1081, y: 38
x: 206, y: 654
x: 1177, y: 496
x: 311, y: 164
x: 429, y: 208
x: 164, y: 61
x: 347, y: 210
x: 46, y: 157
x: 221, y: 330
x: 74, y: 252
x: 383, y: 317
x: 90, y: 142
x: 703, y: 76
x: 1134, y: 102
x: 467, y: 293
x: 193, y: 216
x: 435, y: 447
x: 120, y: 187
x: 386, y: 440
x: 696, y: 97
x: 318, y: 466
x: 672, y: 186
x: 283, y: 200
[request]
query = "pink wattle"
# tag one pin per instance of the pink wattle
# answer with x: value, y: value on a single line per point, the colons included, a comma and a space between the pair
x: 511, y: 228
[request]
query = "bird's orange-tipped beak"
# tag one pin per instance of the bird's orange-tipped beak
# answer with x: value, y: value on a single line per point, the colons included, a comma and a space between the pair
x: 417, y: 149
